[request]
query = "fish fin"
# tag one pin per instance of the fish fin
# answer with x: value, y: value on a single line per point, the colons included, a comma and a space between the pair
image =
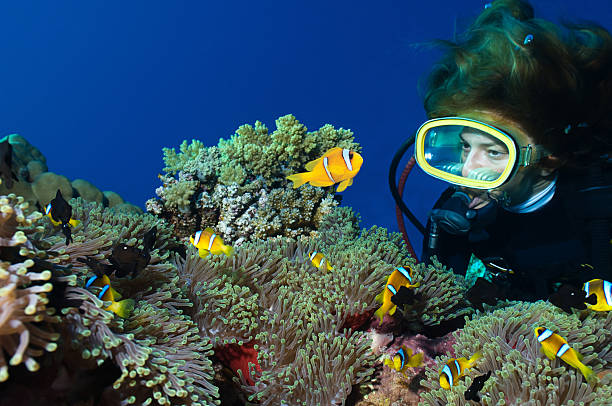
x: 588, y: 373
x: 209, y: 230
x: 311, y: 165
x: 116, y: 295
x: 379, y: 297
x: 123, y: 308
x: 392, y: 310
x: 73, y: 223
x: 477, y: 355
x: 389, y: 363
x: 380, y: 313
x: 55, y: 223
x: 416, y: 360
x: 228, y: 250
x: 203, y: 252
x: 298, y: 179
x: 344, y: 184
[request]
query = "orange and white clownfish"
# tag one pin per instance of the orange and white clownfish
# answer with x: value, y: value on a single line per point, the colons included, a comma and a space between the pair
x: 319, y: 260
x: 121, y: 308
x: 455, y: 368
x: 207, y: 242
x: 553, y: 345
x: 338, y: 165
x: 603, y: 290
x: 402, y: 276
x: 404, y: 359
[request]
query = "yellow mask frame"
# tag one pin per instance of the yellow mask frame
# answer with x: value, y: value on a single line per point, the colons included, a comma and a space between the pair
x: 517, y: 156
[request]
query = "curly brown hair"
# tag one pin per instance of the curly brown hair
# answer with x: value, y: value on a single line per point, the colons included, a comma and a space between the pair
x: 554, y: 80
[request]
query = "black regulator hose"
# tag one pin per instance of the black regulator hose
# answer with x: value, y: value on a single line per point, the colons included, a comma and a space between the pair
x: 393, y: 187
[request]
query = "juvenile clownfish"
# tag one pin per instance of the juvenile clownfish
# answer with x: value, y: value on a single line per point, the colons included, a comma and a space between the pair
x: 456, y: 368
x: 603, y: 290
x: 553, y: 345
x: 59, y: 212
x: 207, y: 242
x: 122, y: 308
x: 398, y: 278
x: 319, y: 260
x: 404, y: 359
x: 338, y: 165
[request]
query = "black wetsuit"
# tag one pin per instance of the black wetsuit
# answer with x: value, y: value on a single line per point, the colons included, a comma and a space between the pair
x: 543, y: 247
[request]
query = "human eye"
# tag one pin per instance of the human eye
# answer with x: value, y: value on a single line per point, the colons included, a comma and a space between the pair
x: 495, y: 154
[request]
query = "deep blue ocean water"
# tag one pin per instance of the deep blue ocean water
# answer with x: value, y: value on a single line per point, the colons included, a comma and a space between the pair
x: 101, y: 87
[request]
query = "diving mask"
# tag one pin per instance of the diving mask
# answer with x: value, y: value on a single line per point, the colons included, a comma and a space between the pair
x: 470, y: 153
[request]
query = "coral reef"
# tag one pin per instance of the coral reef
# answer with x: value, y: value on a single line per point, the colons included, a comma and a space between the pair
x: 239, y: 188
x: 299, y: 321
x: 37, y: 186
x: 25, y: 325
x: 156, y: 352
x: 521, y: 375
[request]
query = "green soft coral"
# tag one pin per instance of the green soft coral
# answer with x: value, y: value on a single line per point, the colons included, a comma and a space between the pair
x: 188, y: 152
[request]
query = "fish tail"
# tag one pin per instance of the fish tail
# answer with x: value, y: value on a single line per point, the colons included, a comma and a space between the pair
x: 587, y: 372
x: 298, y: 179
x: 123, y: 308
x: 228, y: 250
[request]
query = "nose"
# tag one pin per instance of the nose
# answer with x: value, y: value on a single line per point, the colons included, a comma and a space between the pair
x: 473, y: 161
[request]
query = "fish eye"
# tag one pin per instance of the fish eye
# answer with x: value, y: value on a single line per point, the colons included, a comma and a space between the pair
x: 351, y: 155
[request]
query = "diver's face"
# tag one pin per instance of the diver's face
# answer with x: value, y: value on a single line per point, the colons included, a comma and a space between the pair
x: 480, y: 152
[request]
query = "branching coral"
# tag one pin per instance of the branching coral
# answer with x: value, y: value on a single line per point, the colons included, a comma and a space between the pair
x: 241, y: 189
x: 521, y: 375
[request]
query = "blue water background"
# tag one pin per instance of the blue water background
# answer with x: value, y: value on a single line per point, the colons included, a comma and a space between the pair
x: 101, y: 86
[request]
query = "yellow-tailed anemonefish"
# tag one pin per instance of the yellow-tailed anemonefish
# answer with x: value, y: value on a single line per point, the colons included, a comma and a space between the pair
x: 455, y: 368
x: 59, y: 212
x: 404, y: 359
x: 553, y: 345
x: 207, y: 242
x: 338, y: 165
x: 603, y: 290
x: 319, y: 260
x: 121, y: 308
x: 402, y: 276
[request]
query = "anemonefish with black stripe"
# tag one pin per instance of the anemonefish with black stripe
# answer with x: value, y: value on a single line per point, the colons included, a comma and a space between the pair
x: 455, y: 368
x: 59, y: 212
x: 319, y: 260
x: 106, y: 293
x: 404, y: 359
x: 553, y: 345
x: 207, y: 242
x: 402, y: 276
x: 603, y: 290
x: 338, y: 165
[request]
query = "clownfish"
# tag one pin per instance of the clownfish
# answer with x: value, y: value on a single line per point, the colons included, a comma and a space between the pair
x: 404, y: 359
x: 59, y: 212
x: 398, y: 278
x: 319, y: 260
x: 338, y: 165
x: 122, y: 308
x: 603, y: 290
x: 553, y: 345
x: 455, y: 368
x: 207, y: 242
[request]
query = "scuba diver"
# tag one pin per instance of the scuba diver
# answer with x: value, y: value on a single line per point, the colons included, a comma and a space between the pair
x: 520, y: 124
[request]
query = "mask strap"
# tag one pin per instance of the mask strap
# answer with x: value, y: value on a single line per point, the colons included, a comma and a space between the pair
x: 531, y: 154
